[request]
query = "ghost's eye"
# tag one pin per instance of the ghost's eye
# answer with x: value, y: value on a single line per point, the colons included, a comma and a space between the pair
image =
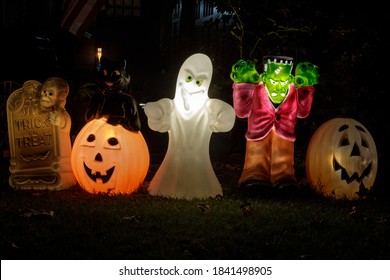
x: 189, y: 78
x: 199, y: 82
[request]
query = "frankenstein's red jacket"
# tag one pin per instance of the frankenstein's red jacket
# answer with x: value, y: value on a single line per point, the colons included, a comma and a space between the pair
x: 251, y: 101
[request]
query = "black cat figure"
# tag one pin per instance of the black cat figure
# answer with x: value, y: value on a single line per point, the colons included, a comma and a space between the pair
x: 112, y: 98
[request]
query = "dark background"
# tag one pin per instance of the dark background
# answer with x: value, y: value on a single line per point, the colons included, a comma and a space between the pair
x: 348, y: 42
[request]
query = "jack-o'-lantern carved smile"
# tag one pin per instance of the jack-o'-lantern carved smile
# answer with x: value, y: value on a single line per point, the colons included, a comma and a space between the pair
x: 98, y: 175
x: 355, y: 177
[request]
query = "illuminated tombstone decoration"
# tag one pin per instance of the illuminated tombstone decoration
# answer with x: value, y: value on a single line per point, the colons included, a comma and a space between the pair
x: 39, y: 136
x: 190, y: 119
x: 109, y: 159
x: 341, y: 159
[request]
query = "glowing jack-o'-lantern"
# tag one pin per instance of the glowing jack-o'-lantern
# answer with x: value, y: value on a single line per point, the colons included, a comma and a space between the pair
x: 109, y: 158
x: 341, y: 159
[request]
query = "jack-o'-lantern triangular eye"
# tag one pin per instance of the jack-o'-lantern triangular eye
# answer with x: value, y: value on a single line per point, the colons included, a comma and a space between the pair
x: 363, y: 134
x: 344, y: 141
x: 364, y: 143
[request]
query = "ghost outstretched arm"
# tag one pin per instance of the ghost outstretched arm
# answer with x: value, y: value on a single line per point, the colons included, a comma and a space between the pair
x: 221, y: 115
x: 159, y: 114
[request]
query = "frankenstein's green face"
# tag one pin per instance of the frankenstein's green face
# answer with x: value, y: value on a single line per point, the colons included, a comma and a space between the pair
x: 277, y: 78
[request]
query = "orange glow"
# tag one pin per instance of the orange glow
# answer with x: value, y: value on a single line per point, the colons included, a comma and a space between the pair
x: 99, y: 53
x: 109, y: 159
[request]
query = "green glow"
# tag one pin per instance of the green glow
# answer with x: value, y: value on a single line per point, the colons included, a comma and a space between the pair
x: 198, y: 82
x: 244, y: 71
x: 306, y: 74
x: 277, y: 78
x: 189, y: 78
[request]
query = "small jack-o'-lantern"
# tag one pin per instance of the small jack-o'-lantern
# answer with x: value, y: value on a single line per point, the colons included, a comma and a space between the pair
x: 109, y: 158
x: 341, y: 159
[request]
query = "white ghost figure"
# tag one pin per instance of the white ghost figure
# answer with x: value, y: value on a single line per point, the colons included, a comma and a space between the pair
x: 190, y: 119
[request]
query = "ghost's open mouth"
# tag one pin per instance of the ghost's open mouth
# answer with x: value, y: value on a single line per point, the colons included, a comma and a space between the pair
x: 98, y: 175
x: 186, y: 92
x: 187, y: 95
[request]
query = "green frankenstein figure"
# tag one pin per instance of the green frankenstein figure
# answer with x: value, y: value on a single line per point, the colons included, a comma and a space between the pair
x: 271, y: 102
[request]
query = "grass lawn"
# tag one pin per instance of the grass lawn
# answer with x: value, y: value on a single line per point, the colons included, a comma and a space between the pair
x: 73, y: 224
